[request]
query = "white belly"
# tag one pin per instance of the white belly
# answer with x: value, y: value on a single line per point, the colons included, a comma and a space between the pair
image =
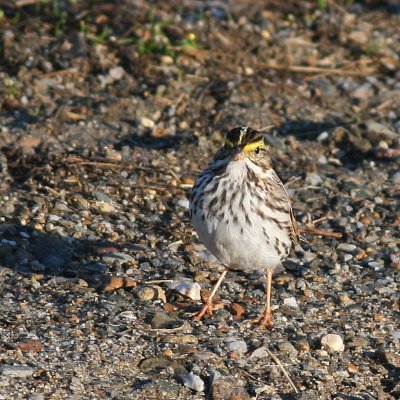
x: 236, y: 235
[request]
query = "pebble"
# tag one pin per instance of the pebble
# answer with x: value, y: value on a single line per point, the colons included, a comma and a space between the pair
x: 180, y: 339
x: 17, y: 371
x: 187, y: 288
x: 359, y: 37
x: 377, y: 266
x: 147, y: 123
x: 332, y: 342
x: 287, y: 348
x: 193, y: 382
x: 377, y: 131
x: 147, y: 293
x: 260, y: 352
x: 160, y: 320
x: 158, y: 388
x: 313, y: 179
x: 291, y: 302
x: 228, y: 388
x: 183, y: 203
x: 363, y: 92
x: 236, y: 346
x: 347, y: 247
x: 118, y: 282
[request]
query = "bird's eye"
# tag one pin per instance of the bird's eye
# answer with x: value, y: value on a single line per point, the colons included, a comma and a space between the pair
x: 257, y: 150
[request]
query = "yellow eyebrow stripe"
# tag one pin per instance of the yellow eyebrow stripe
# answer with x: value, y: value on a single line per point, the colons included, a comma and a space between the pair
x: 252, y: 146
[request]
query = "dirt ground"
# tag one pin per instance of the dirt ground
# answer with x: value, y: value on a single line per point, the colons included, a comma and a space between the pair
x: 108, y: 111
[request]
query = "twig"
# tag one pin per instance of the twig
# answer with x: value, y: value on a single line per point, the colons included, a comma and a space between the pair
x: 157, y: 281
x: 321, y: 232
x: 307, y: 70
x: 317, y: 221
x: 283, y: 369
x: 99, y: 164
x: 72, y: 70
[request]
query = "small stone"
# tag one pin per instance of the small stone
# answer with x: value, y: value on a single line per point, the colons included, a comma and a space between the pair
x: 352, y: 368
x: 302, y: 345
x: 287, y: 348
x: 31, y: 346
x: 395, y: 178
x: 261, y: 352
x: 193, y: 382
x: 105, y: 208
x: 332, y: 342
x: 147, y: 123
x: 17, y: 371
x: 183, y: 203
x: 118, y: 282
x: 236, y: 346
x: 347, y: 247
x: 113, y: 155
x: 180, y: 339
x: 359, y: 37
x: 376, y: 265
x: 147, y: 293
x: 161, y: 320
x: 363, y: 92
x: 291, y: 302
x: 344, y: 298
x: 377, y: 131
x: 187, y: 288
x: 357, y: 342
x: 116, y: 73
x: 158, y: 364
x: 313, y: 179
x: 228, y: 388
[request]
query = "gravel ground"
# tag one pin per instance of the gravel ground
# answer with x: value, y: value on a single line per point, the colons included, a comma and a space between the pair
x: 108, y: 112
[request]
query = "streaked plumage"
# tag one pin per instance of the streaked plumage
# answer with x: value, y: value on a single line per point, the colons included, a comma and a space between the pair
x: 240, y: 208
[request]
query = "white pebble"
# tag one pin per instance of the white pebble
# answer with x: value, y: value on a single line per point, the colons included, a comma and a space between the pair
x: 187, y: 288
x: 332, y: 342
x: 313, y: 179
x: 193, y: 382
x: 147, y: 123
x: 183, y: 203
x: 291, y: 302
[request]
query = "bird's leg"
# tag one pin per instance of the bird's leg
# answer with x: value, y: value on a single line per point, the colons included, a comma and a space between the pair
x: 208, y: 307
x: 266, y: 319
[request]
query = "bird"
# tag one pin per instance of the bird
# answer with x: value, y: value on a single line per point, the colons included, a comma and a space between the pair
x: 242, y: 213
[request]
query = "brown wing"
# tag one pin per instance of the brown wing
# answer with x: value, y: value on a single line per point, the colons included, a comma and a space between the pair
x: 294, y: 230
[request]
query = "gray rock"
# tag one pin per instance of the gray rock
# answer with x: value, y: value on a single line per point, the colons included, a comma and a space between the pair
x: 377, y: 131
x: 192, y: 381
x: 161, y: 320
x: 236, y: 346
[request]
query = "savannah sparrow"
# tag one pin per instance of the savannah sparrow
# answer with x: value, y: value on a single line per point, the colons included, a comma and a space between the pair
x: 242, y: 212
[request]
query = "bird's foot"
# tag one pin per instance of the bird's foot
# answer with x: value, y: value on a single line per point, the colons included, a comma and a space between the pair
x: 265, y: 321
x: 208, y: 309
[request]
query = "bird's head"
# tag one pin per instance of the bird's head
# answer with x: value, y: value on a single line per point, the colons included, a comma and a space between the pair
x: 245, y: 143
